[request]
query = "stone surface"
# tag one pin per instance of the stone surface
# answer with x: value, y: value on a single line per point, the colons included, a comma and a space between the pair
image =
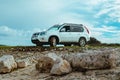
x: 52, y: 55
x: 118, y: 57
x: 44, y: 64
x: 23, y: 63
x: 94, y: 60
x: 30, y: 72
x: 7, y: 63
x: 60, y: 67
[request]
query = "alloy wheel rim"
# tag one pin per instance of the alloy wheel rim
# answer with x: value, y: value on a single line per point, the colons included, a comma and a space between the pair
x: 53, y: 41
x: 82, y: 42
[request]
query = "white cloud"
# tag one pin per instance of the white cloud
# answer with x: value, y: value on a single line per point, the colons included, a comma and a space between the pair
x: 99, y: 33
x: 7, y: 31
x: 51, y: 6
x: 107, y: 29
x: 94, y: 2
x: 110, y: 8
x: 104, y: 11
x: 10, y: 36
x: 109, y: 40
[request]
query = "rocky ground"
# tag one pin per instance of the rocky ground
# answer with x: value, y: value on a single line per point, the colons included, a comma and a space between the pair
x: 34, y: 53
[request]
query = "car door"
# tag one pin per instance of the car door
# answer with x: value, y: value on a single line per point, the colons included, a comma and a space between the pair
x: 76, y: 32
x: 64, y: 34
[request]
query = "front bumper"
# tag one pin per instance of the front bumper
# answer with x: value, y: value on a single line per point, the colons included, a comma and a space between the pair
x: 35, y: 41
x: 39, y: 40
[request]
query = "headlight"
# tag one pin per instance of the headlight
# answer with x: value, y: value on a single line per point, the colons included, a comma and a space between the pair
x: 35, y: 34
x: 43, y: 33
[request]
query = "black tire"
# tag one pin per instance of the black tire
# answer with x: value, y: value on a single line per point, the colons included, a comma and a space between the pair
x: 53, y: 41
x: 67, y: 44
x: 82, y: 42
x: 39, y: 45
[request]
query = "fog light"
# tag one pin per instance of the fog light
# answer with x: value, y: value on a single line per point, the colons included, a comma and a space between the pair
x: 42, y: 38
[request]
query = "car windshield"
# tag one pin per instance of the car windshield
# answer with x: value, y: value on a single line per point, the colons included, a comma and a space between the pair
x: 54, y: 28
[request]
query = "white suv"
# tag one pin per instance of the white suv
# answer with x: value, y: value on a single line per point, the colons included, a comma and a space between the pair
x: 66, y: 34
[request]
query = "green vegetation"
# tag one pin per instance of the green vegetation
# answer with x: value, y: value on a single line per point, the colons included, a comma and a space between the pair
x: 6, y: 47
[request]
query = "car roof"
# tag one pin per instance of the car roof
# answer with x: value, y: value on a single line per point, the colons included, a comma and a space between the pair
x: 72, y: 24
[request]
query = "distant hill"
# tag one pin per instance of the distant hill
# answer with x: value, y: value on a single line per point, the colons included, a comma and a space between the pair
x: 2, y: 45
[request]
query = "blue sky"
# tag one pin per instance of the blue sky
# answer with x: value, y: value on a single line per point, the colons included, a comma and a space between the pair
x: 19, y: 19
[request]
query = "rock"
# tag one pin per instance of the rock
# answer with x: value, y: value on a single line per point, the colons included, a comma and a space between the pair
x: 44, y: 64
x: 52, y: 55
x: 118, y: 57
x: 23, y: 63
x: 60, y: 67
x: 95, y: 60
x: 7, y: 63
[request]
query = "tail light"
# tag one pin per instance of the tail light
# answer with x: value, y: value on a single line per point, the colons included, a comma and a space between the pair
x: 87, y: 29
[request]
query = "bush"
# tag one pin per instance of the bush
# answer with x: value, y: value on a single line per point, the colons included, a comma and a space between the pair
x: 94, y: 41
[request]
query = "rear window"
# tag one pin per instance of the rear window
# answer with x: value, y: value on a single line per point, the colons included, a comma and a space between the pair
x: 77, y: 29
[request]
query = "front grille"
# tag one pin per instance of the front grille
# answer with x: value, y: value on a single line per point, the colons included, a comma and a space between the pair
x: 35, y: 41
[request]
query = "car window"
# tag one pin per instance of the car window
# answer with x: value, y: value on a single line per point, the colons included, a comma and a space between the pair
x: 77, y: 29
x: 65, y: 29
x: 54, y: 28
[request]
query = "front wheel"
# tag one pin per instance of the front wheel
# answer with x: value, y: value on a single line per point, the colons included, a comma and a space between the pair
x: 82, y: 42
x: 39, y: 45
x: 53, y: 41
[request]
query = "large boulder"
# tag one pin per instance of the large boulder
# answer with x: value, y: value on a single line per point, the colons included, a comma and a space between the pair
x: 7, y: 63
x: 44, y: 64
x: 118, y: 57
x: 22, y: 63
x: 52, y: 55
x: 60, y: 67
x: 94, y: 60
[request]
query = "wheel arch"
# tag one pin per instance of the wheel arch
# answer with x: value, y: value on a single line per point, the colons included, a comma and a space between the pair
x: 55, y: 37
x: 83, y: 38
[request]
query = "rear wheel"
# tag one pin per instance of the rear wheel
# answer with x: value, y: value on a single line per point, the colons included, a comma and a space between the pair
x: 82, y: 42
x: 53, y: 41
